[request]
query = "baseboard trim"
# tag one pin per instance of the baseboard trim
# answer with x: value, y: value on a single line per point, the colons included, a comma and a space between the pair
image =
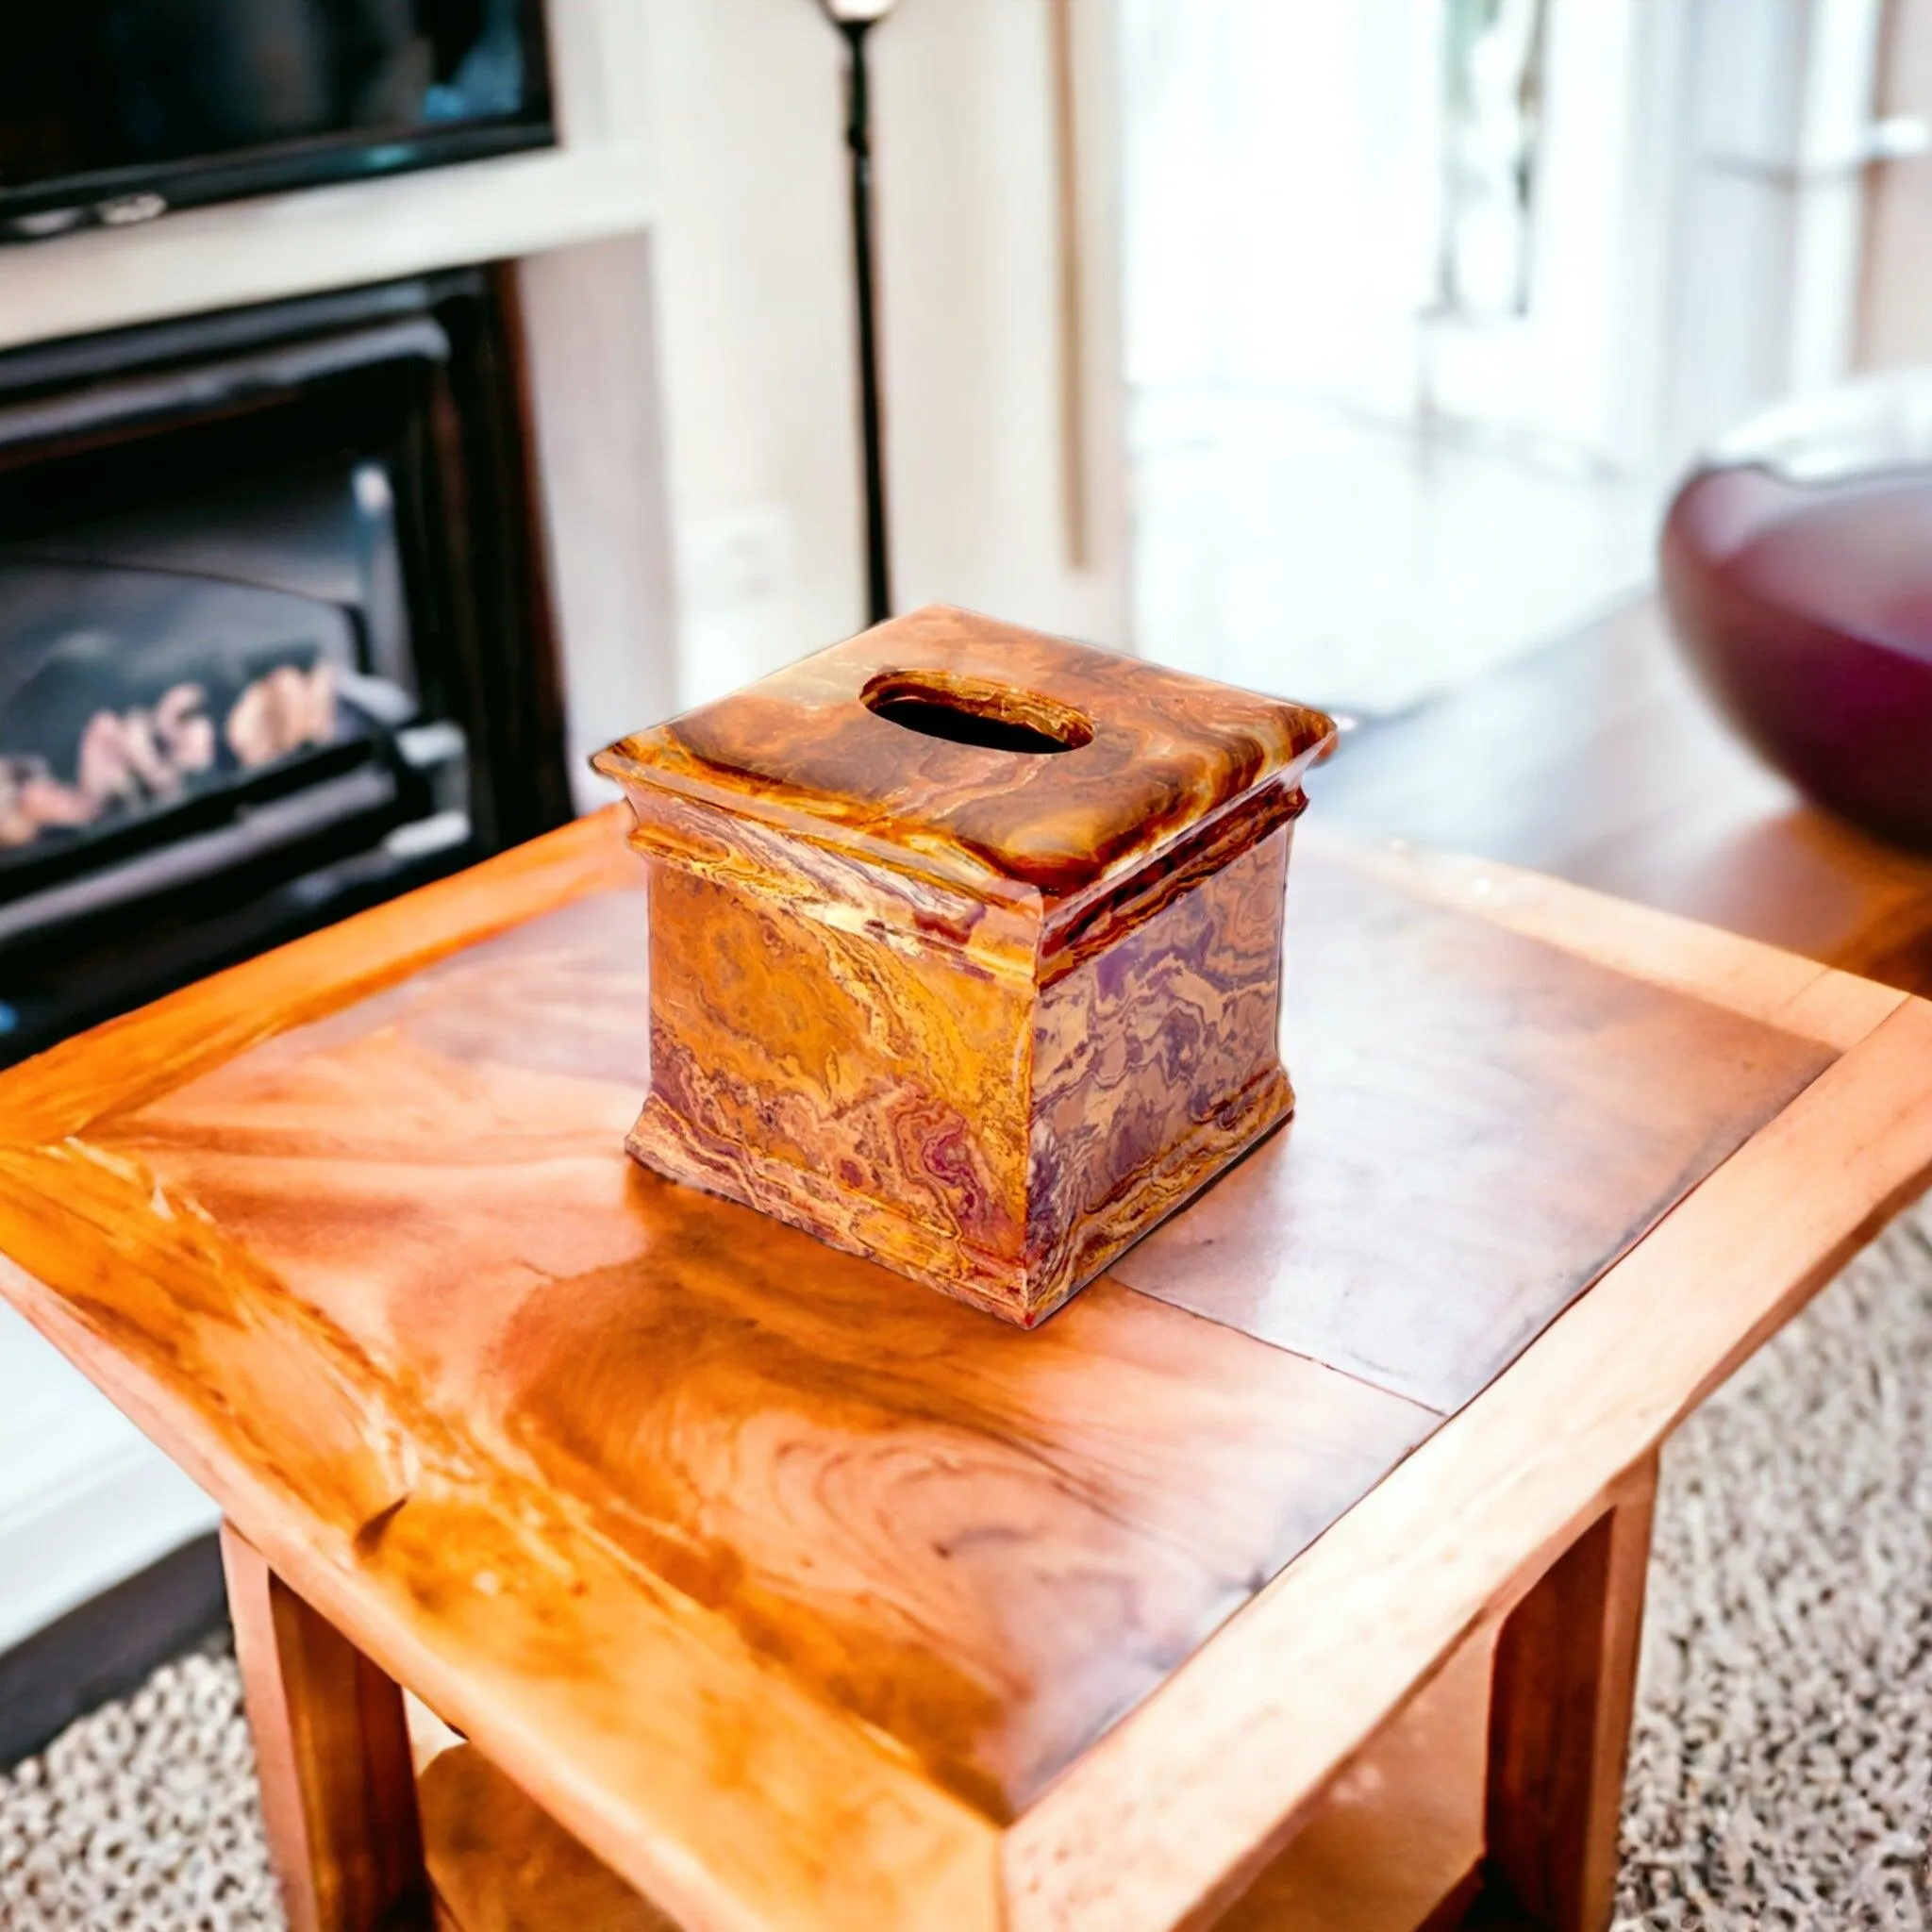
x: 103, y: 1648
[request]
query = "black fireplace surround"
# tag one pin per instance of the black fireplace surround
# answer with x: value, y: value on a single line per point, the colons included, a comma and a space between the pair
x: 274, y: 634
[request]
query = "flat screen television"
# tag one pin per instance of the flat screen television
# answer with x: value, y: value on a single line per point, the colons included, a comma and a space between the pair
x: 115, y: 110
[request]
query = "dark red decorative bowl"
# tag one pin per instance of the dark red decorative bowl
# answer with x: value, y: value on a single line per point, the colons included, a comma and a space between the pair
x: 1797, y: 569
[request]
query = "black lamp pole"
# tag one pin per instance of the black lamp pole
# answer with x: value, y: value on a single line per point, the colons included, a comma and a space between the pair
x: 855, y: 20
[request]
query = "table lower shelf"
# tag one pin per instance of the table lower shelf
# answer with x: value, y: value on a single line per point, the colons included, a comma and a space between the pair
x: 500, y: 1864
x: 1394, y: 1847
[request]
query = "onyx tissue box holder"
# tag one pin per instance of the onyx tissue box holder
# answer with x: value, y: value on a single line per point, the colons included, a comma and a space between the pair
x: 966, y: 946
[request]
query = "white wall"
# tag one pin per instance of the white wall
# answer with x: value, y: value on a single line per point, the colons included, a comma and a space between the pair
x: 972, y: 373
x: 754, y: 266
x: 588, y: 317
x: 85, y: 1499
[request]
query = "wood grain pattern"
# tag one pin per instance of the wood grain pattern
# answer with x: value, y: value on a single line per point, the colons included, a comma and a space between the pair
x: 501, y: 1864
x: 774, y: 1430
x: 1541, y: 1110
x: 900, y: 985
x: 1559, y: 1721
x: 1396, y: 1841
x: 782, y: 1588
x: 1252, y: 1729
x: 703, y: 1775
x: 332, y: 1756
x: 1394, y: 1846
x: 63, y: 1092
x: 1398, y: 1838
x: 598, y: 1682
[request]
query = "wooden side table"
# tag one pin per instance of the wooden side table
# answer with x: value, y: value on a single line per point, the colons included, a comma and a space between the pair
x: 801, y: 1597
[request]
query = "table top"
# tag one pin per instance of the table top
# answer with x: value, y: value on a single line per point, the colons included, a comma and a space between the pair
x: 807, y: 1597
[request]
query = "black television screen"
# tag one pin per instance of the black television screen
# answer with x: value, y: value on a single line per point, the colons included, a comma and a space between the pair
x: 113, y: 110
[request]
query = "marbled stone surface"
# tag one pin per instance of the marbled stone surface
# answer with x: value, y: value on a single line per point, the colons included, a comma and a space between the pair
x: 983, y: 1013
x: 801, y: 750
x: 1155, y: 1062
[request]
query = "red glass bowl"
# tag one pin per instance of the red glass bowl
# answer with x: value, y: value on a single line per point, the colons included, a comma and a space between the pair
x: 1797, y: 570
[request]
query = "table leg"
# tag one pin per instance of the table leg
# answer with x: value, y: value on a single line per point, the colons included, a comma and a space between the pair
x: 332, y: 1746
x: 1561, y: 1695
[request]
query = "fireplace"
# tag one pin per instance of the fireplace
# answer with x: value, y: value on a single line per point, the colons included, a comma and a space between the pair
x: 274, y: 635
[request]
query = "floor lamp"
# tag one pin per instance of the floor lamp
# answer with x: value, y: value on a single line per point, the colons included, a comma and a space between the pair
x: 855, y: 20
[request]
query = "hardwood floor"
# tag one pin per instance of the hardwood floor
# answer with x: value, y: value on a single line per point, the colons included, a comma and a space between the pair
x: 1599, y: 760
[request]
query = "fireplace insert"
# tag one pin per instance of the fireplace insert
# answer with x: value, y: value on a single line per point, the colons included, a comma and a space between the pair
x: 274, y: 638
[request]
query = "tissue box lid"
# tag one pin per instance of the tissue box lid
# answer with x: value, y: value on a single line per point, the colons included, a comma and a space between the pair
x: 1089, y: 765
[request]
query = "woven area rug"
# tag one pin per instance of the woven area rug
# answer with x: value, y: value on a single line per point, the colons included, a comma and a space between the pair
x: 1781, y: 1767
x: 1780, y: 1773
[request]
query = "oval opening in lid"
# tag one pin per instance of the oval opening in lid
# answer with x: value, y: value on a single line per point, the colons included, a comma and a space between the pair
x: 977, y: 712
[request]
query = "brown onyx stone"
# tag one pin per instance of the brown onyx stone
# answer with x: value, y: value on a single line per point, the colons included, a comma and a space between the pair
x: 966, y: 946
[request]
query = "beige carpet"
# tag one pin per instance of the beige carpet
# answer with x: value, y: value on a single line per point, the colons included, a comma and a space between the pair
x: 1781, y: 1770
x: 1780, y: 1776
x: 141, y: 1817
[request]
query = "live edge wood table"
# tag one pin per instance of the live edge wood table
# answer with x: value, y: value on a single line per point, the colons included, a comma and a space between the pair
x: 1290, y: 1574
